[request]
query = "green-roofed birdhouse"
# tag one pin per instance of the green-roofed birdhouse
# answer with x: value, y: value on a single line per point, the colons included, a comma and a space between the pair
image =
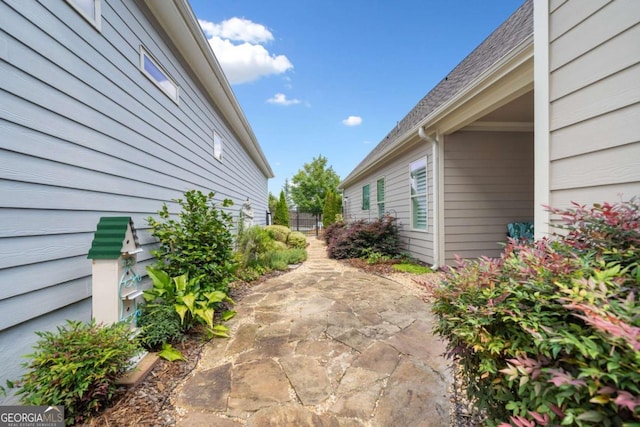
x: 114, y: 283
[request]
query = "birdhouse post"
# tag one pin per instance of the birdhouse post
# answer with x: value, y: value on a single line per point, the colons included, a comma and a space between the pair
x: 115, y: 284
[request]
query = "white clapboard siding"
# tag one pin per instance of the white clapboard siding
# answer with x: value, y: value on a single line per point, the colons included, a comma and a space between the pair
x: 595, y: 102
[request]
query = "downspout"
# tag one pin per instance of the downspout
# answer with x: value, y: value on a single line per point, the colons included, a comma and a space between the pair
x: 436, y: 193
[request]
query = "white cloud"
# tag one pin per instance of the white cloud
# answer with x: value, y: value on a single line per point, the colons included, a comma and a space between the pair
x: 237, y: 45
x: 238, y: 29
x: 281, y: 99
x: 352, y: 121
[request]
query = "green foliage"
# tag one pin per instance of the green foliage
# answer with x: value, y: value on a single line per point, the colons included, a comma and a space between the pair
x: 193, y: 303
x: 159, y: 324
x: 412, y: 268
x: 280, y: 260
x: 281, y: 216
x: 549, y: 333
x: 297, y: 240
x: 374, y: 257
x: 311, y: 184
x: 361, y: 239
x: 272, y: 203
x: 332, y: 208
x: 278, y: 232
x: 169, y: 353
x: 252, y: 244
x: 77, y: 367
x: 198, y: 243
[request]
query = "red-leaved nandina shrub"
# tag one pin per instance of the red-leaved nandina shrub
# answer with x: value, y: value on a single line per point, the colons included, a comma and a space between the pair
x: 549, y: 333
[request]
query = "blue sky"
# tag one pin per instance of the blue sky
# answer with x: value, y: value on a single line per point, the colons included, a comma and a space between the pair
x: 332, y: 77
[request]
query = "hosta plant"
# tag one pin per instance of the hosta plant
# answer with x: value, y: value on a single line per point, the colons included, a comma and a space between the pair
x: 191, y: 301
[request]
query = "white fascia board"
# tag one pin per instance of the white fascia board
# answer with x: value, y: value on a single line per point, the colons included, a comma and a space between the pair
x: 506, y: 80
x: 181, y: 25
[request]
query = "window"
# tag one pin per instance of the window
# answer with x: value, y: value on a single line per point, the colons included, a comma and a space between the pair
x: 156, y: 74
x: 217, y: 145
x: 380, y: 197
x: 88, y: 9
x: 365, y: 198
x: 418, y: 178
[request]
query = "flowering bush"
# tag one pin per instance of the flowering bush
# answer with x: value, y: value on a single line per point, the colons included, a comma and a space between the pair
x: 549, y: 333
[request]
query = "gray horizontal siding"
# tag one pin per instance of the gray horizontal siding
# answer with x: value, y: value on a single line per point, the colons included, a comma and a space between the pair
x: 397, y: 199
x: 84, y: 134
x: 488, y: 183
x: 595, y: 102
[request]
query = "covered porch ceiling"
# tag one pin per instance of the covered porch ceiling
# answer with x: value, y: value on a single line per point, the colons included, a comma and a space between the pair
x: 515, y: 116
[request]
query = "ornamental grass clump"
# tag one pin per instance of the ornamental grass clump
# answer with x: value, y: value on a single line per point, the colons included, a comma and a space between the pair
x: 549, y: 333
x: 77, y: 367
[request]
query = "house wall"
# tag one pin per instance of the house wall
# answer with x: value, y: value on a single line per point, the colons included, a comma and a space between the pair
x: 84, y: 134
x: 594, y: 96
x: 397, y: 199
x: 488, y: 183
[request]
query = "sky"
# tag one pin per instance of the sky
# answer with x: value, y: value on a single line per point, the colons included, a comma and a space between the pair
x: 333, y: 77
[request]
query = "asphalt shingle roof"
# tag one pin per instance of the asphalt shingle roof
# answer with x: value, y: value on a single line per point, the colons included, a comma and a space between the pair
x: 506, y: 37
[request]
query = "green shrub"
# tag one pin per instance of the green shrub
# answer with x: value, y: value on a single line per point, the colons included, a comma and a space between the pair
x: 279, y: 246
x: 198, y: 243
x: 159, y: 324
x: 280, y: 260
x: 77, y: 367
x: 278, y: 232
x: 281, y: 214
x: 252, y: 244
x: 193, y: 303
x: 276, y: 260
x: 549, y: 333
x: 297, y: 240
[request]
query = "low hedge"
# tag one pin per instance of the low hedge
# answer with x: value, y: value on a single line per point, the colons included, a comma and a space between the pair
x: 549, y: 333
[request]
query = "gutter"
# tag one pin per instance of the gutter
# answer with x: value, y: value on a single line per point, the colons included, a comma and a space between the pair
x: 438, y: 234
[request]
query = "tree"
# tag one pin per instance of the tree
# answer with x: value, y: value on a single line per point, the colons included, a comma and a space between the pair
x: 281, y: 216
x: 287, y: 192
x: 332, y: 207
x: 311, y: 184
x: 273, y: 203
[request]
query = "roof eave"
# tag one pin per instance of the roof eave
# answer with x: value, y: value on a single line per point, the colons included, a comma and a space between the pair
x: 181, y: 25
x: 515, y: 68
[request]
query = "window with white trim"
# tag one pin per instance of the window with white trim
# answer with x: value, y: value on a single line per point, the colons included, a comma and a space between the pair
x: 150, y: 68
x: 217, y: 145
x: 89, y: 10
x: 418, y: 179
x: 365, y: 197
x: 380, y: 197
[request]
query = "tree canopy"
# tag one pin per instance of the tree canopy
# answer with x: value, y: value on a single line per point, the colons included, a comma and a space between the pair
x: 311, y: 184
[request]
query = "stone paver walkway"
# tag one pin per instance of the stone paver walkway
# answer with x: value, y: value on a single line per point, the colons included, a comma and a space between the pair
x: 323, y: 345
